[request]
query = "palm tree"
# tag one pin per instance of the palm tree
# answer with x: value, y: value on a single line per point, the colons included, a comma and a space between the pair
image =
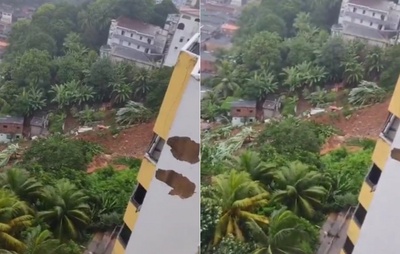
x: 62, y: 96
x: 14, y: 218
x: 226, y: 84
x: 239, y: 197
x: 285, y: 235
x: 133, y: 112
x: 353, y: 70
x: 31, y: 100
x: 121, y: 92
x: 298, y: 188
x: 292, y: 78
x: 264, y: 83
x: 40, y: 241
x: 19, y: 181
x: 250, y: 162
x: 64, y: 208
x: 374, y: 63
x: 71, y: 94
x: 142, y: 84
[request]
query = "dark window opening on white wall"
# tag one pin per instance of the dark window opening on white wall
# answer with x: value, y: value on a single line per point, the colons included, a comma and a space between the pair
x: 156, y: 147
x: 138, y: 196
x: 124, y: 235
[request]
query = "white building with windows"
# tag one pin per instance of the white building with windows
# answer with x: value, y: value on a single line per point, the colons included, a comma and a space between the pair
x: 373, y: 21
x: 136, y: 41
x: 187, y: 26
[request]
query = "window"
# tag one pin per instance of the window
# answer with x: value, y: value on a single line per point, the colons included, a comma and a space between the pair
x: 197, y: 20
x: 186, y: 17
x: 380, y: 27
x: 251, y: 111
x: 370, y: 23
x: 348, y: 246
x: 138, y: 46
x: 391, y: 127
x: 124, y: 235
x: 382, y: 17
x: 373, y: 175
x: 354, y: 9
x: 181, y: 26
x: 138, y: 196
x: 149, y: 41
x: 181, y: 39
x: 176, y: 48
x: 373, y: 14
x: 131, y: 35
x: 18, y: 127
x: 122, y: 32
x: 238, y: 110
x: 363, y: 11
x: 359, y: 215
x: 155, y: 149
x: 146, y: 50
x: 141, y: 37
x: 361, y: 21
x: 5, y: 126
x: 129, y: 43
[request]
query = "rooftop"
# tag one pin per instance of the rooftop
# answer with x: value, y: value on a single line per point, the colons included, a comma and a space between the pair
x: 135, y: 55
x: 229, y: 27
x: 137, y: 25
x: 243, y: 104
x: 190, y: 11
x: 364, y: 32
x: 374, y: 4
x: 11, y: 120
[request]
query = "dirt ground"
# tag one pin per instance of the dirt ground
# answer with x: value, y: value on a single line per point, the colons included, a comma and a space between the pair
x: 131, y: 142
x: 102, y: 161
x: 367, y: 122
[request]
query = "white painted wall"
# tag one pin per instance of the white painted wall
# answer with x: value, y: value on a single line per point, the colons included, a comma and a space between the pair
x: 169, y: 224
x: 380, y: 230
x: 180, y: 38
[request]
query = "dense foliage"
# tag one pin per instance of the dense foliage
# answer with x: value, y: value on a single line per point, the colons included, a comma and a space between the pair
x: 292, y: 54
x: 54, y: 200
x: 272, y: 196
x: 52, y: 61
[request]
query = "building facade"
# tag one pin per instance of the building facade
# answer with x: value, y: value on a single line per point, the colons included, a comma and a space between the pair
x: 373, y: 227
x: 188, y: 25
x: 243, y: 112
x: 136, y: 41
x: 11, y: 128
x: 165, y: 205
x: 373, y: 21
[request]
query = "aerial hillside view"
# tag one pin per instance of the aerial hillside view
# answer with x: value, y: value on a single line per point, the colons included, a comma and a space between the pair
x: 80, y: 88
x: 292, y: 109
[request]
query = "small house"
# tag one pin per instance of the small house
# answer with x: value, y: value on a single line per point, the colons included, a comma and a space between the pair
x: 271, y: 106
x: 38, y: 125
x: 243, y: 112
x: 11, y: 128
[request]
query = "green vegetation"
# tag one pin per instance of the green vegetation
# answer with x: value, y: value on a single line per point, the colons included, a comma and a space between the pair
x: 271, y: 196
x: 50, y: 203
x: 52, y: 62
x: 293, y: 55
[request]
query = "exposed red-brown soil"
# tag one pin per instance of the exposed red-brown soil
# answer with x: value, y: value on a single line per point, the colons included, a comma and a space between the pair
x: 102, y: 161
x: 131, y: 142
x: 366, y: 122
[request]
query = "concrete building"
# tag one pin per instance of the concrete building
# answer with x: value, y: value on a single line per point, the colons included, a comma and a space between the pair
x: 374, y: 226
x: 163, y: 214
x: 373, y: 21
x: 188, y: 25
x: 243, y: 112
x: 136, y: 41
x: 11, y: 128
